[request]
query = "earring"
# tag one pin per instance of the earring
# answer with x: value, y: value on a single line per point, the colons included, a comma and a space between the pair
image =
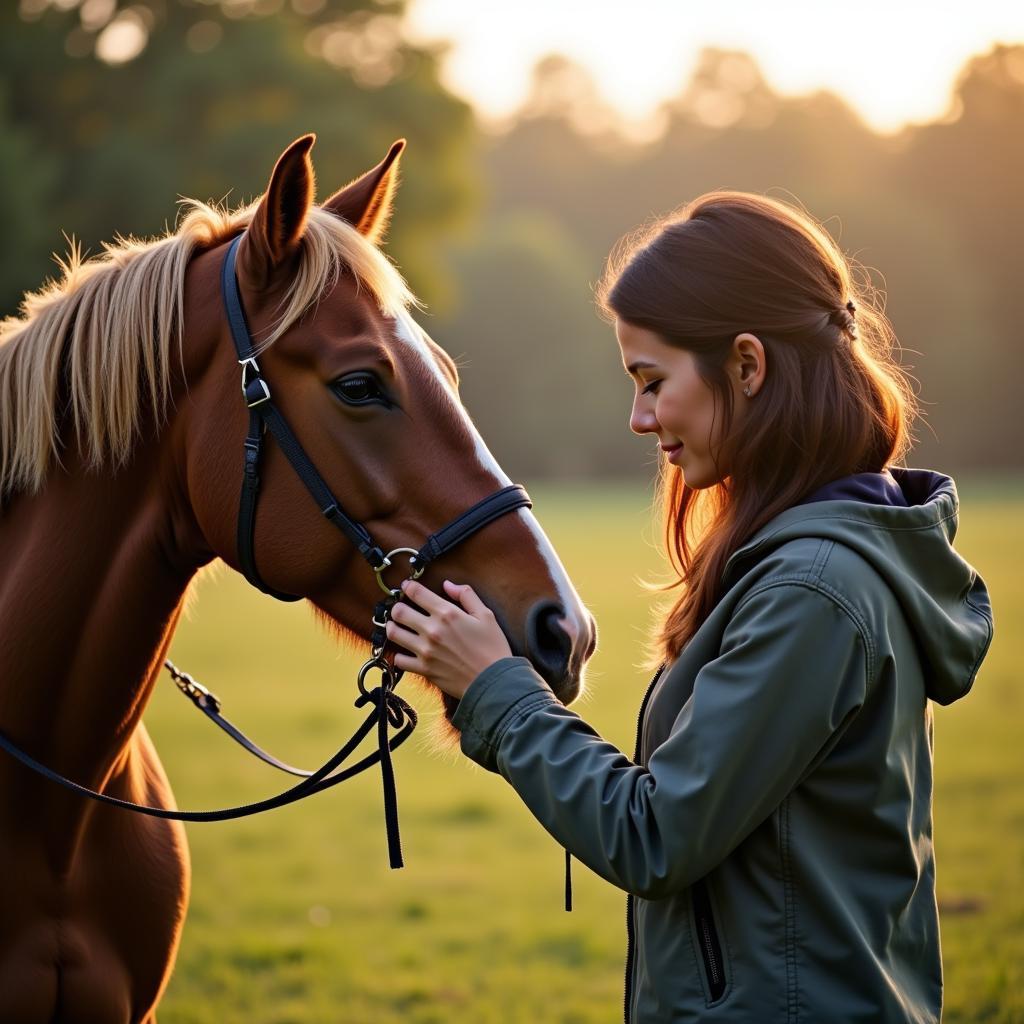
x: 746, y: 391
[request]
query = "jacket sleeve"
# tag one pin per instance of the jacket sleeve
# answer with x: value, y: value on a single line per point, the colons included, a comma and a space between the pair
x: 792, y: 669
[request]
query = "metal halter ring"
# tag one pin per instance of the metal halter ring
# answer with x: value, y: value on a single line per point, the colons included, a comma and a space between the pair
x: 385, y: 670
x: 379, y: 569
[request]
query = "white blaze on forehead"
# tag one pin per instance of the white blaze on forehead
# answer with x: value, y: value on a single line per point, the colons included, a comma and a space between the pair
x: 410, y: 332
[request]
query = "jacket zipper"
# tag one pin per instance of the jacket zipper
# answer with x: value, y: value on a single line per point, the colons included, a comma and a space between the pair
x: 630, y: 929
x: 710, y: 947
x: 629, y: 957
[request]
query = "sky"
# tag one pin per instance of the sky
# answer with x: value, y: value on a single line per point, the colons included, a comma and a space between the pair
x: 895, y: 62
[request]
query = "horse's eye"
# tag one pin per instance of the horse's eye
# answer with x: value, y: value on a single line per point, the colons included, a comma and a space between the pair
x: 358, y: 389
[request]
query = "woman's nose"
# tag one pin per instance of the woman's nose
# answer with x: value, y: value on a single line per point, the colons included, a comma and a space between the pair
x: 642, y: 420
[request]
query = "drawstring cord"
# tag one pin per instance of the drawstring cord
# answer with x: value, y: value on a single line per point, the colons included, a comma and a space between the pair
x: 568, y: 882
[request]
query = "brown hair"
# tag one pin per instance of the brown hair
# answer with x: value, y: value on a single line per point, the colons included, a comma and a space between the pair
x: 834, y: 402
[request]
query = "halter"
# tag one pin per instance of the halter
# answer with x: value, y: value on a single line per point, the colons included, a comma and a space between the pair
x: 387, y: 707
x: 263, y: 414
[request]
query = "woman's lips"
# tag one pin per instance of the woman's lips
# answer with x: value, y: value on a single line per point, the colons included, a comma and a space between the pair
x: 673, y: 451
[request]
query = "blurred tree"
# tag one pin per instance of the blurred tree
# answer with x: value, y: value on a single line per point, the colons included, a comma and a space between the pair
x: 968, y: 168
x: 28, y: 176
x: 542, y: 375
x: 137, y: 103
x: 930, y: 219
x: 198, y: 97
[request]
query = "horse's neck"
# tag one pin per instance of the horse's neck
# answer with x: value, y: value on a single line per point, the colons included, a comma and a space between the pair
x: 89, y: 597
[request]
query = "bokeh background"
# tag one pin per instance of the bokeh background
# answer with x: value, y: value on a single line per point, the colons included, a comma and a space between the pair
x: 538, y: 135
x: 109, y: 110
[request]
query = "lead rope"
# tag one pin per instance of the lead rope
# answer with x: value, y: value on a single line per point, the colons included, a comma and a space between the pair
x: 390, y: 709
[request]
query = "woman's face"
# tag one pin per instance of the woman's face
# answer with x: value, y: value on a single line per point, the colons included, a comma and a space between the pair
x: 673, y: 402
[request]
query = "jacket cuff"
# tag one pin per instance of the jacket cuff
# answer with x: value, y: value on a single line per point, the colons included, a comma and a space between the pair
x: 500, y: 695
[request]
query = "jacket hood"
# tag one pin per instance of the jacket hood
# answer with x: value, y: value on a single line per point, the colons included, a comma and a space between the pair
x: 903, y: 522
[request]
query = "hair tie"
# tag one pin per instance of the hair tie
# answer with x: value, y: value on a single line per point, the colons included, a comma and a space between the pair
x: 843, y: 318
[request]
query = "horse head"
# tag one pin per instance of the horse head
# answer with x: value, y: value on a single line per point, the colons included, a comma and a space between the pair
x: 375, y: 404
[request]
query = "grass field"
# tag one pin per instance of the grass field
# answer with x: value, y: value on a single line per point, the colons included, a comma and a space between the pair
x: 296, y: 918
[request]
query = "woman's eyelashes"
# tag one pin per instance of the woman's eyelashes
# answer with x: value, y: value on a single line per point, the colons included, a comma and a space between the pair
x: 650, y: 389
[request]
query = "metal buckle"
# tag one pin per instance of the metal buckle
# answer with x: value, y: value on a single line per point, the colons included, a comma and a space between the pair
x: 379, y: 569
x: 195, y: 691
x: 248, y: 364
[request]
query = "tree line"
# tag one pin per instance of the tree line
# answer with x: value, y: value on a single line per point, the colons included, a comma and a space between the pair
x: 504, y: 234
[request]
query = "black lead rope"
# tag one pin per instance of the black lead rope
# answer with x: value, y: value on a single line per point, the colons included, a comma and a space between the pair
x: 395, y: 710
x: 388, y: 709
x: 209, y: 703
x: 381, y: 696
x: 264, y: 415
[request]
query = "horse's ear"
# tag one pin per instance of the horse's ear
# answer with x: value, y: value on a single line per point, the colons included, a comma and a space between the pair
x: 272, y: 238
x: 366, y: 202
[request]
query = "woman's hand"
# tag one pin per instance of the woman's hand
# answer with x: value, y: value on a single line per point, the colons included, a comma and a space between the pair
x: 451, y: 643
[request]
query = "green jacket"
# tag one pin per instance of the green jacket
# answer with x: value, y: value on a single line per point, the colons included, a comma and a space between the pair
x: 774, y: 827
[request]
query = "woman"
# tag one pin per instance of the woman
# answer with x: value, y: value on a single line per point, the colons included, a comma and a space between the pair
x: 774, y: 827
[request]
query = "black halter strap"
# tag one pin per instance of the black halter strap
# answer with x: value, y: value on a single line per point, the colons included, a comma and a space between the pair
x: 388, y: 709
x: 264, y: 414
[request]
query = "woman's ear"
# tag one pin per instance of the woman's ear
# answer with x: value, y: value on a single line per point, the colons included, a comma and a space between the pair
x: 746, y: 365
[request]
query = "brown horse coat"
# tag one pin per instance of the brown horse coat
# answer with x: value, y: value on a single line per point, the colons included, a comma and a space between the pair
x: 125, y: 370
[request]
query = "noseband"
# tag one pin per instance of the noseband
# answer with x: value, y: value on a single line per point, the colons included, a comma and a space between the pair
x: 387, y: 707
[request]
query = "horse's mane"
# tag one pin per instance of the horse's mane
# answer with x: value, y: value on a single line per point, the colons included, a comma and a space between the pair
x: 104, y: 332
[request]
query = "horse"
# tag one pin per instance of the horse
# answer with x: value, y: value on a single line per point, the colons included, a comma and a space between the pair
x: 120, y: 439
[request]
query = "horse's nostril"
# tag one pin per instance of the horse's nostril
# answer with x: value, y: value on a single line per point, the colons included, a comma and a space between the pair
x: 549, y: 645
x: 592, y: 645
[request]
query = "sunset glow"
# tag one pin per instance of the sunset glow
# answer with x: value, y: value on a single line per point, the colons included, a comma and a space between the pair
x: 894, y: 63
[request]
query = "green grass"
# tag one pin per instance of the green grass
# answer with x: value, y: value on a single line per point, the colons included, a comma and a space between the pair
x: 295, y: 916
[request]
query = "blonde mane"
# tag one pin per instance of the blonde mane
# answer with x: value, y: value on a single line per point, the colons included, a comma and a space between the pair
x: 106, y: 328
